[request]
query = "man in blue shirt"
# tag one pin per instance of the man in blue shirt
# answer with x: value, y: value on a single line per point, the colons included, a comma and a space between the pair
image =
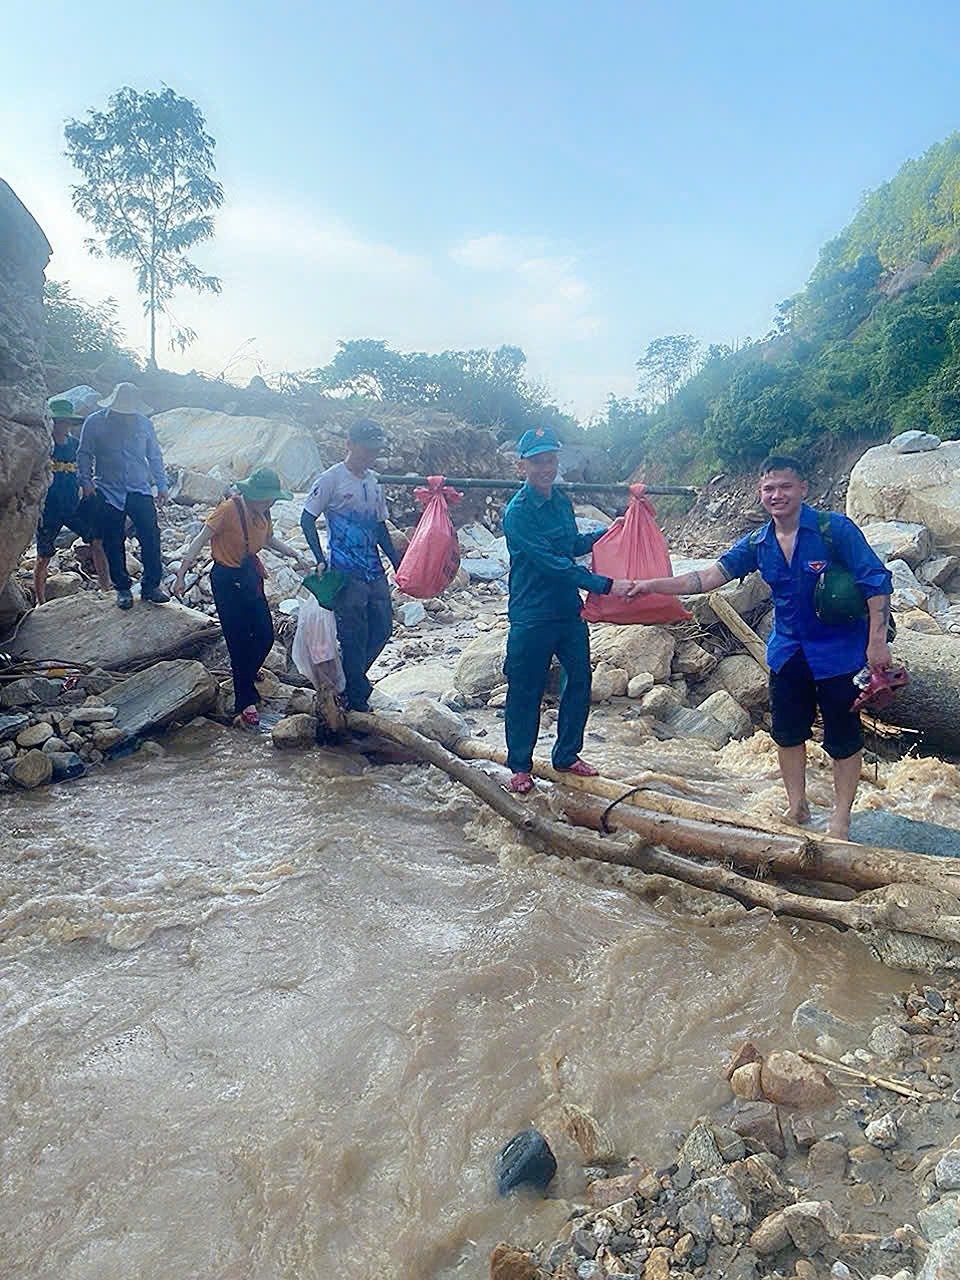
x: 349, y: 495
x: 544, y: 612
x: 812, y: 664
x: 62, y: 505
x: 120, y: 462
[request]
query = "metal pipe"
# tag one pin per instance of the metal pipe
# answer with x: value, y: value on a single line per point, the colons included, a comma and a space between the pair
x: 620, y: 486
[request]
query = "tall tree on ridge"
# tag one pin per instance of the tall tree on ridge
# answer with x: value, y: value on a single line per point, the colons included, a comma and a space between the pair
x: 148, y: 190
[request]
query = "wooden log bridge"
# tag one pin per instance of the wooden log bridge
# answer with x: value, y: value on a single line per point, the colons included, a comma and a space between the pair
x: 718, y: 841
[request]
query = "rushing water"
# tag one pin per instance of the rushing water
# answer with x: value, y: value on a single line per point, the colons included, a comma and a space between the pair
x: 271, y: 1016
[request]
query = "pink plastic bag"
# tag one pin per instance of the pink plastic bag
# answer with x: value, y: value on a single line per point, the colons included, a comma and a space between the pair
x: 633, y: 547
x: 431, y: 561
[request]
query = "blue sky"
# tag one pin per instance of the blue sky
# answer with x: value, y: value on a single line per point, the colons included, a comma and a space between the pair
x: 574, y: 178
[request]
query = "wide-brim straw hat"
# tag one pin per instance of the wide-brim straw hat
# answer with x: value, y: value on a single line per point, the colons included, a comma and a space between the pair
x: 263, y: 486
x: 124, y: 398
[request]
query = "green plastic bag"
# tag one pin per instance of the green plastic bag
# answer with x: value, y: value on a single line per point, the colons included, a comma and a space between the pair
x: 325, y: 587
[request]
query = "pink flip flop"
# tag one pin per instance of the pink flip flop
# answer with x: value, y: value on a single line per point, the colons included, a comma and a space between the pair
x: 520, y: 784
x: 580, y: 769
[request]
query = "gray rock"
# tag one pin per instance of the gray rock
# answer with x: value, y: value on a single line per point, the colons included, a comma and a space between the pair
x: 947, y: 1172
x: 295, y: 731
x: 30, y: 691
x: 691, y: 722
x: 34, y: 735
x: 889, y: 830
x: 426, y: 680
x: 744, y: 679
x: 32, y: 769
x: 161, y: 695
x: 889, y: 1041
x: 819, y: 1029
x: 908, y: 593
x: 899, y: 540
x: 939, y: 1219
x: 66, y: 764
x: 721, y: 1197
x: 922, y: 488
x: 94, y: 713
x: 939, y: 571
x: 931, y: 701
x: 436, y: 721
x: 480, y: 667
x: 635, y: 649
x: 724, y: 708
x: 884, y: 1132
x: 915, y: 442
x: 411, y: 613
x: 483, y: 570
x: 11, y: 725
x: 943, y: 1260
x: 700, y: 1150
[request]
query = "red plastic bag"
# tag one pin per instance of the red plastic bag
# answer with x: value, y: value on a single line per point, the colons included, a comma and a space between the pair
x: 431, y: 561
x: 633, y: 547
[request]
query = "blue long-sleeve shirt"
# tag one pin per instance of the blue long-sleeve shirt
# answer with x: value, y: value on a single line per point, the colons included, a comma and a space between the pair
x: 119, y: 454
x: 829, y: 650
x: 543, y: 541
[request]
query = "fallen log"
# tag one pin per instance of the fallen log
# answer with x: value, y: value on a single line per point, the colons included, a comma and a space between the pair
x: 765, y: 852
x: 840, y: 861
x: 734, y: 623
x: 554, y: 837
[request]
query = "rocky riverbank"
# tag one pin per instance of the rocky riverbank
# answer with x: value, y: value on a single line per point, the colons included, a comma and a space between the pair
x: 838, y: 1156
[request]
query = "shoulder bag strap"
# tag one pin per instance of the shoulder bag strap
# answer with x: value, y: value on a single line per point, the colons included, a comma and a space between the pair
x: 243, y: 523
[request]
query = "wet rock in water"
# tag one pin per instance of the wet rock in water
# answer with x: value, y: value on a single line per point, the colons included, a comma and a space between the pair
x: 510, y: 1263
x: 745, y: 1054
x: 943, y: 1260
x: 890, y: 830
x: 30, y: 691
x: 295, y: 731
x: 161, y: 695
x: 100, y: 634
x: 32, y: 769
x: 947, y: 1172
x: 817, y: 1028
x: 526, y: 1160
x: 635, y: 649
x: 479, y: 668
x: 588, y: 1133
x: 899, y: 540
x: 434, y: 720
x: 724, y: 708
x: 691, y: 722
x: 66, y: 764
x: 35, y: 735
x: 11, y: 725
x: 789, y: 1080
x: 760, y: 1122
x: 883, y: 1132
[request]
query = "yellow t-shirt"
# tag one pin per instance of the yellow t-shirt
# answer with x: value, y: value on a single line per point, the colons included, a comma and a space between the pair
x: 226, y: 543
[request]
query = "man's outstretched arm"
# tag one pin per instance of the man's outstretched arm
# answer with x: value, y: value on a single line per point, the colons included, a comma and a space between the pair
x: 693, y: 583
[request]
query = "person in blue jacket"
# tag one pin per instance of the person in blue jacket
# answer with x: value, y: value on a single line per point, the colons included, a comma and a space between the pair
x: 544, y: 612
x: 812, y: 664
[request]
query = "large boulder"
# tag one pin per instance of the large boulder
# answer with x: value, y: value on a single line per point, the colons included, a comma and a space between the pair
x: 922, y: 488
x: 899, y: 540
x: 24, y: 435
x: 199, y: 440
x: 634, y: 649
x: 931, y: 701
x: 87, y: 630
x: 161, y: 695
x: 480, y: 666
x: 426, y: 680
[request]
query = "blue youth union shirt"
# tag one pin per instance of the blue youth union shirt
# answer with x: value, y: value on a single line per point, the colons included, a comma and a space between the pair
x: 829, y: 651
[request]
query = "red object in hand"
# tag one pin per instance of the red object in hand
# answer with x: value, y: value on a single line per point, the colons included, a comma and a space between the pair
x: 880, y: 689
x: 634, y: 547
x: 431, y: 561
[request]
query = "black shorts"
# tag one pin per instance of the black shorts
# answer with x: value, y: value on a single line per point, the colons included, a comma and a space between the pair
x: 85, y: 520
x: 794, y: 699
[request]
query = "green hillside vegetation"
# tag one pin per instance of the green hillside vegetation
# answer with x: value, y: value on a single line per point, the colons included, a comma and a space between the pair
x: 871, y: 346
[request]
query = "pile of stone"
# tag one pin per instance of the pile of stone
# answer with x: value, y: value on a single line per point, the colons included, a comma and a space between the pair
x: 51, y: 732
x: 787, y: 1182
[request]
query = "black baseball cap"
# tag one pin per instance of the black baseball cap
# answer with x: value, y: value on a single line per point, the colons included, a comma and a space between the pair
x: 366, y: 431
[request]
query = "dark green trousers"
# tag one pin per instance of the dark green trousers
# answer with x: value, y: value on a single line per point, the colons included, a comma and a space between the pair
x: 530, y: 649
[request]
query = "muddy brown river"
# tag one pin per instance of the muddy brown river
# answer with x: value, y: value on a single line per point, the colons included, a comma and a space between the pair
x: 270, y: 1016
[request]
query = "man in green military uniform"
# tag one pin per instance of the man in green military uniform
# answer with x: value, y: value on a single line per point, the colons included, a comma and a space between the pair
x: 544, y: 612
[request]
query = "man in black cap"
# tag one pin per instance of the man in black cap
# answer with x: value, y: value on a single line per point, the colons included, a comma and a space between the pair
x: 350, y: 497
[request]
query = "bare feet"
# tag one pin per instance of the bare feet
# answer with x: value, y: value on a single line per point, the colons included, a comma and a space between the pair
x: 799, y: 815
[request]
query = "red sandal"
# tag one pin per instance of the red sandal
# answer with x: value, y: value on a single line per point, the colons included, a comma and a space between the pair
x: 580, y: 769
x: 521, y: 784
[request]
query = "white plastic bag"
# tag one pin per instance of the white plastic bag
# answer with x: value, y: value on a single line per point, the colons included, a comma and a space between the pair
x: 316, y: 653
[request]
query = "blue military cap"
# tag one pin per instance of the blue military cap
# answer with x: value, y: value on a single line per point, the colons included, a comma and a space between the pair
x: 542, y: 440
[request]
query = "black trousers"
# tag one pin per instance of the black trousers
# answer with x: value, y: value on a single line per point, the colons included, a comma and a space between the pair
x: 142, y: 510
x: 247, y: 629
x: 364, y: 623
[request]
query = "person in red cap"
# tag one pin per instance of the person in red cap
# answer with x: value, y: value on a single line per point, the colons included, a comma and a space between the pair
x: 544, y: 612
